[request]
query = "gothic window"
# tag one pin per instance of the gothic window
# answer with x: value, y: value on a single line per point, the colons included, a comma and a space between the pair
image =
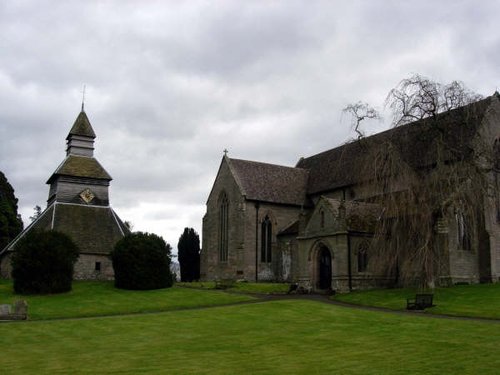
x: 363, y: 256
x: 463, y: 232
x: 322, y: 219
x: 223, y: 227
x: 266, y: 240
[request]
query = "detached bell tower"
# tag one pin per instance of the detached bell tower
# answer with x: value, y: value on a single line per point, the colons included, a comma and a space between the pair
x: 78, y: 205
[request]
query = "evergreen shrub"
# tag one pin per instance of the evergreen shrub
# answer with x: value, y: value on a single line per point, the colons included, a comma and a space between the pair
x: 189, y: 255
x: 141, y: 261
x: 43, y: 263
x: 10, y: 221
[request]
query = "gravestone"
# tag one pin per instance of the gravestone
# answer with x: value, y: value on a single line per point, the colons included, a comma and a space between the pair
x: 4, y: 310
x: 21, y: 308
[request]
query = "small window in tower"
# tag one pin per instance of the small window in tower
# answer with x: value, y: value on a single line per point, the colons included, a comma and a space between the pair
x: 97, y: 266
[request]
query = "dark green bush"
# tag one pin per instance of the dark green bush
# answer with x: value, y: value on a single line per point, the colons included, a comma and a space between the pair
x: 189, y: 255
x: 141, y: 261
x: 43, y: 263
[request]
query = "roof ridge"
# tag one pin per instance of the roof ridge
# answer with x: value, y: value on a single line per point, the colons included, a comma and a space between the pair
x: 395, y: 129
x: 264, y: 163
x: 343, y: 165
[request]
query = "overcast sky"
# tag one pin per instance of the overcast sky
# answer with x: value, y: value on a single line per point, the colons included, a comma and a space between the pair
x: 171, y: 84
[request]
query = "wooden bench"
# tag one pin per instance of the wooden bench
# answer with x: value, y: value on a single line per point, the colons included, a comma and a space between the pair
x: 420, y: 302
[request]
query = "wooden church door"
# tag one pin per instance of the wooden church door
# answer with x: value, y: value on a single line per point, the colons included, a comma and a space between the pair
x: 325, y: 269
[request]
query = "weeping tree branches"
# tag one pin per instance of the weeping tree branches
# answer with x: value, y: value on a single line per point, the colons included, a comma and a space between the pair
x: 418, y: 97
x: 423, y: 175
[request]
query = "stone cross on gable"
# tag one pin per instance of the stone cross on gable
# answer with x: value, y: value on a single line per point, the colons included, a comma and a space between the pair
x: 225, y: 152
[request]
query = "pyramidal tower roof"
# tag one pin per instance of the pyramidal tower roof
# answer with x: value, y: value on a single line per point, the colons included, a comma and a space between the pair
x: 81, y: 127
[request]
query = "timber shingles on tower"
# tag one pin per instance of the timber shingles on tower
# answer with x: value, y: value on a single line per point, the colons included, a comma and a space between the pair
x: 81, y: 166
x: 82, y: 127
x: 78, y: 205
x: 95, y: 229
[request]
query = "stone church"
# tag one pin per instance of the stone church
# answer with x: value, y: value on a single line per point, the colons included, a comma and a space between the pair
x: 313, y: 224
x: 78, y: 205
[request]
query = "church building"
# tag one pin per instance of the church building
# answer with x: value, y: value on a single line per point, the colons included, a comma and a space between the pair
x: 315, y: 224
x: 78, y: 205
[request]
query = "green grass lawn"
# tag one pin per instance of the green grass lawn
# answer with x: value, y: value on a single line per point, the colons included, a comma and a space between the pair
x: 482, y: 300
x: 280, y: 337
x: 92, y: 298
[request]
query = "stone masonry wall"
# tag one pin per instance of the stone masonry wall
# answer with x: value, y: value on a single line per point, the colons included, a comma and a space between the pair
x: 211, y: 267
x: 86, y: 268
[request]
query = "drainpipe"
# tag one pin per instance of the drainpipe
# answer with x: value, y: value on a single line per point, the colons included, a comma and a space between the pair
x: 257, y: 241
x: 349, y: 270
x: 342, y: 215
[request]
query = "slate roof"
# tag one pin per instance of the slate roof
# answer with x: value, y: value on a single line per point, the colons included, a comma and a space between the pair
x: 415, y: 143
x: 94, y: 229
x: 81, y: 166
x: 270, y: 182
x: 82, y: 127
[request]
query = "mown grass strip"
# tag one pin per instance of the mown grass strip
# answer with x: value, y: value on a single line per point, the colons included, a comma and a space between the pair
x: 281, y: 337
x: 481, y: 300
x: 97, y: 298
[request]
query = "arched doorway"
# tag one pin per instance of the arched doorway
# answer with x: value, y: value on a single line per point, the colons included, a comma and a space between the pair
x: 324, y: 268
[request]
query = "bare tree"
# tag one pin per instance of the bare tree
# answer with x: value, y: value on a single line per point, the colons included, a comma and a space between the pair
x: 359, y: 112
x: 418, y: 97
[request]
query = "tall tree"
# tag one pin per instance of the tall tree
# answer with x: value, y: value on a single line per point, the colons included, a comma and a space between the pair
x: 10, y: 221
x: 37, y: 212
x: 189, y: 255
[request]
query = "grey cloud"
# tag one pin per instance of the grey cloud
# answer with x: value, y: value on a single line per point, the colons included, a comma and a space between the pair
x: 170, y: 85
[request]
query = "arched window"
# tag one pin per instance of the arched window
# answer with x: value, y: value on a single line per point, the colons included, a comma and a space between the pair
x: 322, y: 219
x: 223, y: 227
x: 463, y: 232
x: 266, y: 240
x: 363, y: 256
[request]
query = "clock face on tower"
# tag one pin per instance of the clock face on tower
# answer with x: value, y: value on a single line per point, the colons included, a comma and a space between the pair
x: 87, y: 195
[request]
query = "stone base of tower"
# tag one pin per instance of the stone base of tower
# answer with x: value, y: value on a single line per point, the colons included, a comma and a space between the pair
x: 87, y: 267
x: 93, y: 267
